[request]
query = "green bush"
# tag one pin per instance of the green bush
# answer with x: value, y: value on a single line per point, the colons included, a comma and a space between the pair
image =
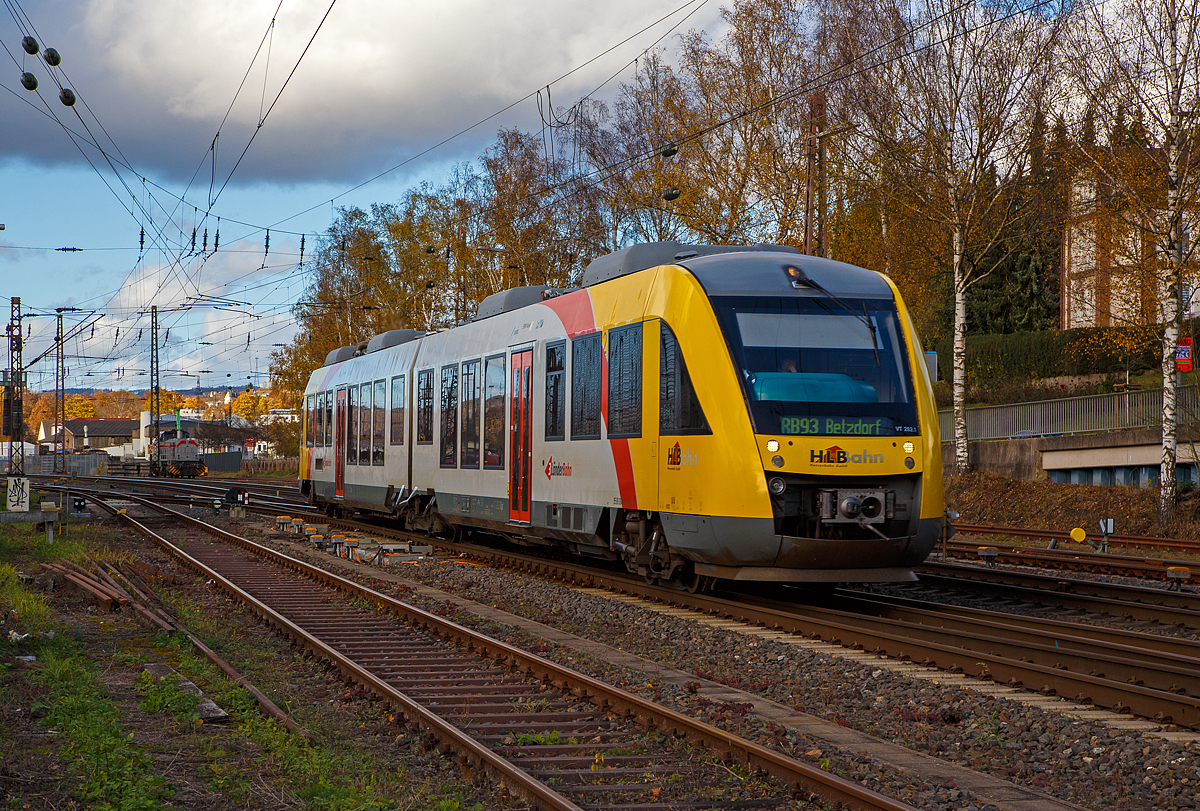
x: 1054, y: 353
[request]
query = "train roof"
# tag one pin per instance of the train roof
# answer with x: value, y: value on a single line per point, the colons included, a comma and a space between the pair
x: 759, y: 273
x: 759, y: 270
x: 652, y: 254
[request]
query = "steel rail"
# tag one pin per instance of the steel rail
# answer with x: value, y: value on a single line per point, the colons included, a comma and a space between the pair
x: 830, y: 787
x: 1069, y: 559
x: 1146, y: 702
x: 474, y: 753
x: 1107, y: 692
x: 1140, y: 541
x: 1125, y: 656
x: 1135, y: 602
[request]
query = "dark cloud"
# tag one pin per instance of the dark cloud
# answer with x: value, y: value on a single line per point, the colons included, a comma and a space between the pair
x: 381, y: 82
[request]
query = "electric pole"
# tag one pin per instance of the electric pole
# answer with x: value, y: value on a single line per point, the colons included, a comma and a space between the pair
x: 14, y: 421
x: 814, y: 191
x: 60, y: 401
x: 155, y: 402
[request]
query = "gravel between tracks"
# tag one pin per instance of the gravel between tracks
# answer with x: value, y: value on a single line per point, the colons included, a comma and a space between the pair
x: 1089, y: 764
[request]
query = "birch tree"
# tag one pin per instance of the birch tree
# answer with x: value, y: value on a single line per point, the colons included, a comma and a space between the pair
x: 1143, y: 57
x: 944, y: 93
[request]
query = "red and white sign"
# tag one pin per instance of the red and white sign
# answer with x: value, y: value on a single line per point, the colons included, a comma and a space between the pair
x: 1183, y: 355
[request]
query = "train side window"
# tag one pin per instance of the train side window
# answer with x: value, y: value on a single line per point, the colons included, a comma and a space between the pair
x: 625, y: 381
x: 586, y: 369
x: 450, y: 415
x: 319, y: 420
x: 379, y: 424
x: 494, y: 412
x: 679, y: 410
x: 556, y: 390
x: 398, y: 410
x: 364, y: 424
x: 470, y: 414
x: 352, y: 425
x: 309, y: 422
x: 328, y: 418
x: 425, y: 407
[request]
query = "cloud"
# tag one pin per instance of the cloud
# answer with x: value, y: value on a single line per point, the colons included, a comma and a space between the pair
x: 11, y: 253
x: 381, y: 81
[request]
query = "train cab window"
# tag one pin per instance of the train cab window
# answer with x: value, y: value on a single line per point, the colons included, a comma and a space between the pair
x: 309, y: 422
x: 328, y: 418
x: 678, y: 408
x: 625, y: 381
x: 586, y: 367
x: 425, y: 407
x: 449, y: 424
x: 471, y: 391
x: 494, y: 376
x: 556, y: 390
x: 379, y: 424
x: 824, y: 365
x: 364, y: 424
x: 398, y: 410
x: 352, y: 425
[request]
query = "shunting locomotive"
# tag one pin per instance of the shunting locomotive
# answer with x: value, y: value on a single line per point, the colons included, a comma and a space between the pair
x: 177, y: 454
x: 696, y: 412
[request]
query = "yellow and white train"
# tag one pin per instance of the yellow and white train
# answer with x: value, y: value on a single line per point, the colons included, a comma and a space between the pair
x: 698, y: 412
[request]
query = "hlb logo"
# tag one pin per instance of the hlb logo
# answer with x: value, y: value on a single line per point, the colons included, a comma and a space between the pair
x: 677, y: 457
x: 837, y: 456
x: 829, y: 456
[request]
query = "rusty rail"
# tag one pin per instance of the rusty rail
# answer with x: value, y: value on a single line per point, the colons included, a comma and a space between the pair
x: 830, y: 788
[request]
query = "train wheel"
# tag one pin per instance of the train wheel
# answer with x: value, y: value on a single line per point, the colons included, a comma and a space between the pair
x: 650, y: 578
x: 694, y: 583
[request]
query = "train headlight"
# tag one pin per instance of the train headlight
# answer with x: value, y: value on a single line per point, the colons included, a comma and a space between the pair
x: 777, y: 486
x: 908, y: 447
x: 772, y: 445
x: 777, y: 461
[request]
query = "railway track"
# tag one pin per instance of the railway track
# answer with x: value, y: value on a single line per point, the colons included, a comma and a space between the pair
x: 1147, y: 675
x: 1132, y: 541
x: 1151, y: 605
x: 1070, y: 560
x: 556, y: 738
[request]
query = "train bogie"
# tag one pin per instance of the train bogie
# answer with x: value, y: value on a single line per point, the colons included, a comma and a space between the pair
x: 694, y: 412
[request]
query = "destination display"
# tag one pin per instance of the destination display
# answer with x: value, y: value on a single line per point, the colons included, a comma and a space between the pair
x: 842, y: 426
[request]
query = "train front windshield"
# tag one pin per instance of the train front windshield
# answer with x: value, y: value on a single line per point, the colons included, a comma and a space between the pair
x: 821, y: 366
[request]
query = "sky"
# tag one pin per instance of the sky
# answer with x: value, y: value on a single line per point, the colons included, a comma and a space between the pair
x: 311, y: 105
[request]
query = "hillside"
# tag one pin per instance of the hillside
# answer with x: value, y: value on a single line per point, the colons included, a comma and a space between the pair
x: 981, y: 498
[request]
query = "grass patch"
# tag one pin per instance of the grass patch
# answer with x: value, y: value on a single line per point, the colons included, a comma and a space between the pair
x: 110, y: 772
x: 30, y: 611
x: 22, y: 544
x: 335, y: 772
x: 164, y: 694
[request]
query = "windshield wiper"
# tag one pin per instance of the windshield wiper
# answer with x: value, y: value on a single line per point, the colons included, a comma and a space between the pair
x: 801, y: 278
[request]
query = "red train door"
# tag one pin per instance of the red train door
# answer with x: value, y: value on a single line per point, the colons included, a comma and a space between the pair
x: 520, y: 455
x: 339, y: 446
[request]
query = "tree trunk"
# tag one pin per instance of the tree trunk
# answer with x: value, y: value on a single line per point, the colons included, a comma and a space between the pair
x: 962, y: 460
x: 1172, y: 317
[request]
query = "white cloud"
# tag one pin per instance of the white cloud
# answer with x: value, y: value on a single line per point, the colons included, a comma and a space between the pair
x: 381, y: 81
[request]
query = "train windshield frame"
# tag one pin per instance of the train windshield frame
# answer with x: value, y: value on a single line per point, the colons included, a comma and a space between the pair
x: 821, y: 366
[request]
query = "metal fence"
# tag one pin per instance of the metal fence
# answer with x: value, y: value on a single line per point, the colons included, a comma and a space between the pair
x: 1072, y: 415
x: 85, y: 464
x: 283, y: 463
